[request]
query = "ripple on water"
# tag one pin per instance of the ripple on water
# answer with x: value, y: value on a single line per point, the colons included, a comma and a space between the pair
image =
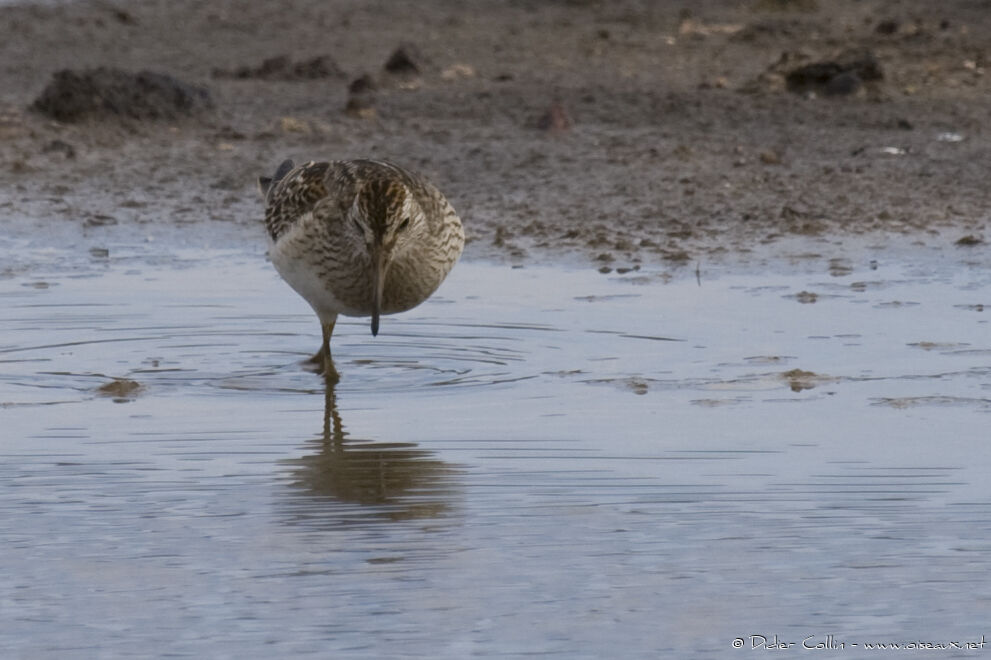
x: 536, y: 461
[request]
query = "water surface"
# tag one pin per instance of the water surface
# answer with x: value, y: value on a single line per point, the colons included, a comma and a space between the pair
x: 535, y: 462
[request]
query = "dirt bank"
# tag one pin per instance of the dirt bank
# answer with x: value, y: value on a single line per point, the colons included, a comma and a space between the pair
x: 625, y: 132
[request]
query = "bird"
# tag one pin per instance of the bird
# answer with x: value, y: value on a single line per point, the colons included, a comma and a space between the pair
x: 358, y: 238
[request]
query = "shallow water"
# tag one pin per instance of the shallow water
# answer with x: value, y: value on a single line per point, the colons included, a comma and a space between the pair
x: 535, y: 462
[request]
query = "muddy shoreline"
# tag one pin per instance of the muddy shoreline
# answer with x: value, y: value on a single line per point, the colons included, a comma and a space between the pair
x: 617, y: 134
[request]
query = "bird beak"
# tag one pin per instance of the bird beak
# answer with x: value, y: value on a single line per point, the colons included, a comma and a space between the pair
x: 378, y: 285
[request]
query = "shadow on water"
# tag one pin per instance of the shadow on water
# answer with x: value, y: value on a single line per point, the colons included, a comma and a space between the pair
x: 345, y: 480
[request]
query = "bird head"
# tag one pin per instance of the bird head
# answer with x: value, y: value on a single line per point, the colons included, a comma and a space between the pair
x: 386, y: 217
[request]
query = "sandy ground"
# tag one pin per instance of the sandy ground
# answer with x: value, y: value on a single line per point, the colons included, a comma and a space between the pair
x: 621, y: 132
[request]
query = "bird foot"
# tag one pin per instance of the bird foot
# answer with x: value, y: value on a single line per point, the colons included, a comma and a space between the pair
x: 322, y: 363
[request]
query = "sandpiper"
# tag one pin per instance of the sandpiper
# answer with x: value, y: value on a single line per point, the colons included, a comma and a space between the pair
x: 358, y: 238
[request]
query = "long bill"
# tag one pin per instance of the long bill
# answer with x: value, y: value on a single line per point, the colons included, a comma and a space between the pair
x: 378, y: 285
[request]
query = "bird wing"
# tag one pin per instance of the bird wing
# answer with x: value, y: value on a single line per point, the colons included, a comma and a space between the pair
x: 293, y: 195
x: 265, y: 183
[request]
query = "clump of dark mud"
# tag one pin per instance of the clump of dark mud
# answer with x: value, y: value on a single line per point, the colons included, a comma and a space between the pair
x: 555, y: 119
x: 363, y: 84
x: 282, y: 68
x: 799, y: 379
x: 104, y: 93
x: 361, y: 103
x: 843, y: 75
x: 405, y: 61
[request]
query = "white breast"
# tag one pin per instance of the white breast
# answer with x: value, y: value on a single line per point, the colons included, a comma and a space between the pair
x: 292, y: 257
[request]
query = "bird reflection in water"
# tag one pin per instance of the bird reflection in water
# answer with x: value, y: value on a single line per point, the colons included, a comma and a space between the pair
x: 380, y: 480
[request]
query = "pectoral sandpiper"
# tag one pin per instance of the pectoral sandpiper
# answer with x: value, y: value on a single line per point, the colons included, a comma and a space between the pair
x: 358, y: 238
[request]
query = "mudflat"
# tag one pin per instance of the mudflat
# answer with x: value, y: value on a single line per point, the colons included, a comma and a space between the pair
x: 621, y: 133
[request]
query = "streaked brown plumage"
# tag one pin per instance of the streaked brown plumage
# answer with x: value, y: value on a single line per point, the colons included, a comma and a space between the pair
x: 358, y: 238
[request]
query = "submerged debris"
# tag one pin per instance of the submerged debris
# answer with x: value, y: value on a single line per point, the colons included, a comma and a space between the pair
x: 932, y: 400
x: 805, y: 297
x: 799, y: 379
x: 121, y: 389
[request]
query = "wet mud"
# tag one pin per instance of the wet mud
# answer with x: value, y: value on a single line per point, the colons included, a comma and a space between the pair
x: 613, y: 134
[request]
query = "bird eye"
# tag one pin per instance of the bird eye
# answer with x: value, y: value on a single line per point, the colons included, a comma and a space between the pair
x: 404, y: 224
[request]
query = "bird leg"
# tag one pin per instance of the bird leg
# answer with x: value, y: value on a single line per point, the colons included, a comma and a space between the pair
x: 322, y: 358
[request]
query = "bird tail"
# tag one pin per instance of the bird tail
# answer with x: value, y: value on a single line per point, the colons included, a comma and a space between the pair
x: 265, y: 183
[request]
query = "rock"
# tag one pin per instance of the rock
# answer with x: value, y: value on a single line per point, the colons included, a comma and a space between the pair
x: 104, y: 93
